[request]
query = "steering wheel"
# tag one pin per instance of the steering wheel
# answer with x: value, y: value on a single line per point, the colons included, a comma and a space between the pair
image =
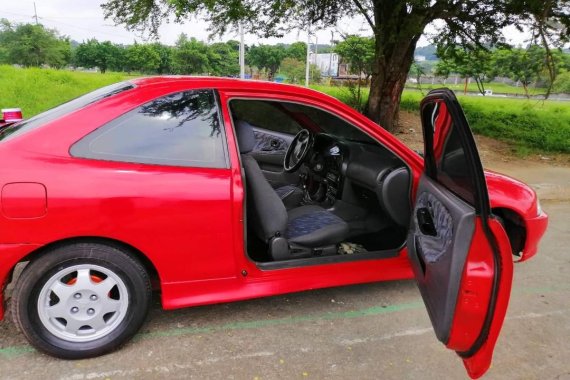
x: 297, y: 151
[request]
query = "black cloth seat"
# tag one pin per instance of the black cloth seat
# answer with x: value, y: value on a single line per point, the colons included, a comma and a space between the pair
x: 291, y: 195
x: 308, y: 226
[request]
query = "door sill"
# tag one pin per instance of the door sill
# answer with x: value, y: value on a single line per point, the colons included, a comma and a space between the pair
x: 295, y: 263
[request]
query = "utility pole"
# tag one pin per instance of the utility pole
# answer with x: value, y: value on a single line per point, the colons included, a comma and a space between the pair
x: 36, y: 14
x: 307, y: 71
x: 331, y: 54
x: 241, y: 53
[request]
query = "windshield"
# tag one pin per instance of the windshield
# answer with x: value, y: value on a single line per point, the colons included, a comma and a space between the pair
x: 329, y: 123
x: 22, y: 127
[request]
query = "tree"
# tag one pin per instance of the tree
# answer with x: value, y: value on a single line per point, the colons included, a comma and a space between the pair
x: 467, y: 63
x: 521, y: 65
x: 103, y: 55
x: 142, y: 58
x: 358, y: 52
x: 165, y: 57
x: 33, y: 45
x: 224, y: 58
x: 266, y: 57
x: 293, y: 69
x: 417, y: 71
x: 396, y: 25
x: 562, y: 83
x: 190, y: 56
x: 298, y: 51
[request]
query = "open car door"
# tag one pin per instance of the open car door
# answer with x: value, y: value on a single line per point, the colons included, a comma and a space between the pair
x: 459, y: 251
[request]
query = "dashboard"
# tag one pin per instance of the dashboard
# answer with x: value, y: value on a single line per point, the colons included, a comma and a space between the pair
x: 357, y: 171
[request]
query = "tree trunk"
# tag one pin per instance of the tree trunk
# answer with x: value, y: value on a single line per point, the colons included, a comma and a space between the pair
x: 387, y: 83
x: 396, y: 34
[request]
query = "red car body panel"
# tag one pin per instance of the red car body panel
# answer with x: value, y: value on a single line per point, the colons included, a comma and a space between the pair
x: 200, y: 256
x: 480, y: 362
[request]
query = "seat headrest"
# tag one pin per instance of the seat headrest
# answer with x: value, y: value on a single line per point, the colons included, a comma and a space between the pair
x: 245, y: 136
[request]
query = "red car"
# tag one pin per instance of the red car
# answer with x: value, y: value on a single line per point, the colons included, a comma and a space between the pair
x: 215, y: 190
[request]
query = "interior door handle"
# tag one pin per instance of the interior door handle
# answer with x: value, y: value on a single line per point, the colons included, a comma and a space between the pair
x: 425, y: 222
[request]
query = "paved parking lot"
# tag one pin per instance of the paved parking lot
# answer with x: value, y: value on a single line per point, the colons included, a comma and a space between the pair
x: 374, y: 331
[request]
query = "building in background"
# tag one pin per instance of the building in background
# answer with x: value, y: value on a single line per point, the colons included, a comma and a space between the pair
x: 328, y: 63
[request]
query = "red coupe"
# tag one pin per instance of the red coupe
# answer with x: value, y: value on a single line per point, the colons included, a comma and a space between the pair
x: 214, y: 190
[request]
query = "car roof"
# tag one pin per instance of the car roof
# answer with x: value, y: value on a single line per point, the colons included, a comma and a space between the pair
x: 224, y: 83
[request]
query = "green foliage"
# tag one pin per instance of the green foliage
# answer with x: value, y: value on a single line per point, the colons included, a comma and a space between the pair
x: 35, y: 90
x: 266, y: 57
x: 521, y: 65
x: 467, y: 63
x: 397, y: 26
x: 165, y: 57
x: 358, y: 52
x: 102, y: 55
x: 190, y: 56
x: 33, y: 45
x: 562, y: 83
x: 293, y: 69
x: 297, y: 50
x: 529, y: 126
x: 224, y: 58
x: 142, y: 58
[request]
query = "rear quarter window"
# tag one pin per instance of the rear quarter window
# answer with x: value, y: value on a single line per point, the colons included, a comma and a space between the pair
x: 181, y: 129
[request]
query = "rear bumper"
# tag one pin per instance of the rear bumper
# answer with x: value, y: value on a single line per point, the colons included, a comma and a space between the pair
x: 10, y: 255
x: 535, y: 229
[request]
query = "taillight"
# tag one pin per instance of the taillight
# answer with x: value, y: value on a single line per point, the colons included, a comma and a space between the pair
x: 11, y: 115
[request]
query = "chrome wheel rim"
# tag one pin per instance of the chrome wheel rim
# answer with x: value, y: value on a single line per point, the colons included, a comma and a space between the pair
x: 83, y: 303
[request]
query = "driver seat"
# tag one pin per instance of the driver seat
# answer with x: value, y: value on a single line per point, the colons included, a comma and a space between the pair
x: 300, y: 232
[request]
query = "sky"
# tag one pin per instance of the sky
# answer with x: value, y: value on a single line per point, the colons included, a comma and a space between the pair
x: 83, y: 19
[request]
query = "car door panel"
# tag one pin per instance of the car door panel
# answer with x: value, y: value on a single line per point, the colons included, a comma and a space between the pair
x: 442, y: 253
x: 459, y: 252
x: 269, y: 152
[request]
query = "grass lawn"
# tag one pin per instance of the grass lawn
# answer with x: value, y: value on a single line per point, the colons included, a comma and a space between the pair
x: 497, y: 87
x: 35, y: 90
x: 529, y: 125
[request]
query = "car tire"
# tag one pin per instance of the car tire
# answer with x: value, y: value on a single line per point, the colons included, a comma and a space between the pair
x: 81, y: 300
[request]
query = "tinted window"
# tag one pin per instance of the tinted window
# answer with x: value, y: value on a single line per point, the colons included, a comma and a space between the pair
x: 63, y: 109
x: 328, y: 123
x: 182, y: 129
x: 448, y: 155
x: 290, y: 118
x: 264, y: 114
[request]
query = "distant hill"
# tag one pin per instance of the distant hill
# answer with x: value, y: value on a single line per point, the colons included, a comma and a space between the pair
x: 427, y: 51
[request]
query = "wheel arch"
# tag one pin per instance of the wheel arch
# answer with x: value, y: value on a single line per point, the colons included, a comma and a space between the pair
x: 125, y: 247
x: 515, y: 228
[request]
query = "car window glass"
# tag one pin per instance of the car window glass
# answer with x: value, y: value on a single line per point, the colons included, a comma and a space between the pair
x: 63, y: 109
x: 181, y: 129
x: 449, y: 157
x: 289, y: 117
x: 265, y: 115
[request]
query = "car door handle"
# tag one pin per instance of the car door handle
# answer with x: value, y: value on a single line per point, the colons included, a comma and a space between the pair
x: 274, y: 143
x: 425, y: 222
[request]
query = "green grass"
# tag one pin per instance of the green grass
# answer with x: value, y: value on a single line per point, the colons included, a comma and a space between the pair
x: 497, y: 87
x: 35, y: 90
x: 528, y: 125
